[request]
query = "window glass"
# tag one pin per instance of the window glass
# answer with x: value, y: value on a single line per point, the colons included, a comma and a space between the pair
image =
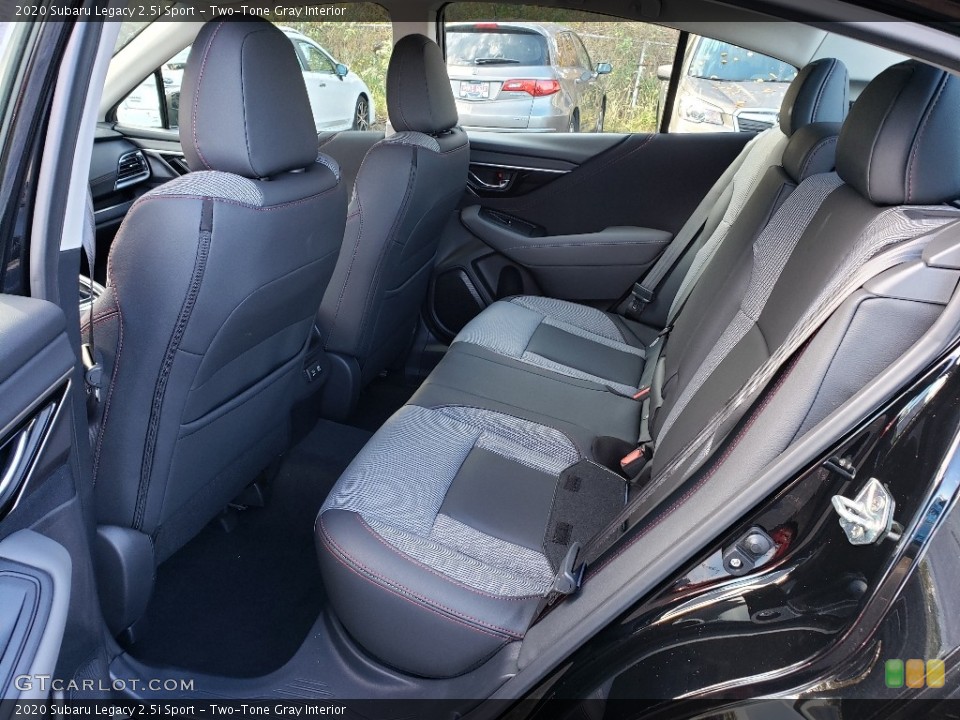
x: 546, y: 90
x: 726, y: 88
x: 14, y: 39
x: 566, y: 51
x: 141, y: 108
x: 583, y: 56
x: 314, y: 60
x: 482, y: 45
x: 717, y: 60
x: 355, y: 50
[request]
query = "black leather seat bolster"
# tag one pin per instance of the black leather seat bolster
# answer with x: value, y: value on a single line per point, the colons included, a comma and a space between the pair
x: 407, y: 613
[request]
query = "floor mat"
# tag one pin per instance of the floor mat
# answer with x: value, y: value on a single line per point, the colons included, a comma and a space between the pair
x: 240, y: 603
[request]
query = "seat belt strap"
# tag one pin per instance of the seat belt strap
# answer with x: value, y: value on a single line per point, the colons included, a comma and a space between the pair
x: 645, y: 290
x: 92, y: 369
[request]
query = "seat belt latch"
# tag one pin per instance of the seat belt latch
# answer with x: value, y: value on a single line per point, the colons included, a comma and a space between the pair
x: 642, y: 393
x: 633, y: 462
x: 642, y: 294
x: 568, y: 577
x: 640, y: 297
x: 92, y: 371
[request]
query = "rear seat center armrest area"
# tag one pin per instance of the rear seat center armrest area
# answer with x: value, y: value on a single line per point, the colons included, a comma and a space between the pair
x: 440, y: 541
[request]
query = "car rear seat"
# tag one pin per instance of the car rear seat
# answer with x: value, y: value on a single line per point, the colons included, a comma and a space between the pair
x: 439, y: 541
x: 537, y: 330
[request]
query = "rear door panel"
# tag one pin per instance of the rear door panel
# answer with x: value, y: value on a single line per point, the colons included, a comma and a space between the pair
x: 563, y: 185
x: 36, y: 458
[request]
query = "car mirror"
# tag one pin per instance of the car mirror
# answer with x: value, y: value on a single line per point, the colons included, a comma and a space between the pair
x: 665, y: 72
x: 342, y: 70
x: 604, y: 68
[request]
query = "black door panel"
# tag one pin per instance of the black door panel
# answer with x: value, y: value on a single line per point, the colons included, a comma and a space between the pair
x: 653, y: 181
x: 35, y: 357
x: 563, y: 186
x: 535, y: 150
x: 36, y: 442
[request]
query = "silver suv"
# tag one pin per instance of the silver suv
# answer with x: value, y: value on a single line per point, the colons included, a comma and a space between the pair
x: 533, y: 77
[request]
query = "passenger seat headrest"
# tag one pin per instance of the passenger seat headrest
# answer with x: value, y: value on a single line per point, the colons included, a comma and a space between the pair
x: 245, y: 108
x: 819, y: 93
x: 419, y: 97
x: 901, y: 145
x: 811, y: 150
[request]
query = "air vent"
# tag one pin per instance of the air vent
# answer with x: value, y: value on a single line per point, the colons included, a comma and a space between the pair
x: 176, y: 161
x: 132, y: 168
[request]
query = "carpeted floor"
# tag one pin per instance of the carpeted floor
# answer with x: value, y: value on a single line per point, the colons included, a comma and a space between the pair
x: 240, y: 603
x: 379, y: 400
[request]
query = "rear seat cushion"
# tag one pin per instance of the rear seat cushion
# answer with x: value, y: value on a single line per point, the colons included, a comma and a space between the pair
x: 434, y: 544
x: 574, y: 340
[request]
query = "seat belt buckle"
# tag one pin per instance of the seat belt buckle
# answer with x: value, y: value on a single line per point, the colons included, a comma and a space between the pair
x: 640, y: 297
x: 642, y: 393
x: 92, y: 371
x: 633, y: 462
x: 568, y: 577
x: 642, y: 294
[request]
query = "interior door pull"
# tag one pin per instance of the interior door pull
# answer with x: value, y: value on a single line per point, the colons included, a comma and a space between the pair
x: 501, y: 184
x: 21, y: 451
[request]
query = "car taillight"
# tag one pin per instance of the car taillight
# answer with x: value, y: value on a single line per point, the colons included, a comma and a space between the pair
x: 486, y: 26
x: 537, y: 88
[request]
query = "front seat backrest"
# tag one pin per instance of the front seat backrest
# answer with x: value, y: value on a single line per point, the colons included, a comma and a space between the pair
x: 213, y: 282
x: 405, y: 192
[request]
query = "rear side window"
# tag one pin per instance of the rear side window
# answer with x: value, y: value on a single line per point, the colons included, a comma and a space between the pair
x: 529, y: 68
x: 726, y: 88
x: 491, y: 44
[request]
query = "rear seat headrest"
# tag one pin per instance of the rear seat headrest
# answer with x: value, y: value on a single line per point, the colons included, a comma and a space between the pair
x: 819, y: 93
x: 900, y: 144
x: 419, y: 96
x: 811, y: 150
x: 245, y: 108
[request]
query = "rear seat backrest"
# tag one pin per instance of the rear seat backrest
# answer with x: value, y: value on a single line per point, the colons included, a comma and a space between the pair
x: 897, y: 148
x: 819, y: 94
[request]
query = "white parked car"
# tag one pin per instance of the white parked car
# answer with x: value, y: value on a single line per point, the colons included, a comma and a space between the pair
x: 340, y: 99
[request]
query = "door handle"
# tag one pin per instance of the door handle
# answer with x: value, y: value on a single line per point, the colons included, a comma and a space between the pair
x: 22, y: 449
x: 501, y: 184
x: 323, y: 84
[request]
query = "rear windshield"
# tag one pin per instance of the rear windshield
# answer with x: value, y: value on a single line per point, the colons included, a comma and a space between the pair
x: 716, y: 60
x: 481, y: 45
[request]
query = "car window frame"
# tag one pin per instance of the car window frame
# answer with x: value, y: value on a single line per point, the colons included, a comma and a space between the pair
x: 581, y: 48
x: 299, y: 42
x: 158, y: 88
x: 565, y: 37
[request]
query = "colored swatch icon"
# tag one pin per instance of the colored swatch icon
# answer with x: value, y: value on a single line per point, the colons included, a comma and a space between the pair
x: 914, y: 673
